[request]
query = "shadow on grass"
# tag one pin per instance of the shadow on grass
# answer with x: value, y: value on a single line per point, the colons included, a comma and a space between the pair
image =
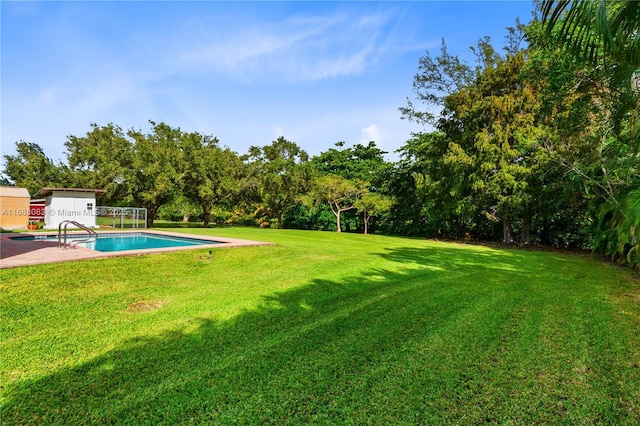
x: 385, y: 347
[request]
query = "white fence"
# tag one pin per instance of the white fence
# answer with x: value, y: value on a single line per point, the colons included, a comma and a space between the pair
x: 121, y: 217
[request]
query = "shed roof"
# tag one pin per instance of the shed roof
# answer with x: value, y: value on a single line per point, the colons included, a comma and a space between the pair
x: 13, y: 191
x: 47, y: 191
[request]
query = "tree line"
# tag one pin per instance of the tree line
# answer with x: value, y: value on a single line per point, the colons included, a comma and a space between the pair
x: 537, y: 143
x: 187, y: 175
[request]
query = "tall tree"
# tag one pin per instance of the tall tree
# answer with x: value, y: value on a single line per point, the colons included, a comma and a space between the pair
x: 211, y: 174
x: 602, y: 150
x: 156, y: 170
x: 282, y: 174
x: 492, y: 140
x: 362, y: 162
x: 102, y: 159
x: 339, y: 193
x: 433, y: 195
x: 436, y: 78
x: 30, y: 168
x: 372, y: 204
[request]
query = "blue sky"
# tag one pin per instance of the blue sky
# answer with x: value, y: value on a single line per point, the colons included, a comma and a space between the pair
x: 245, y: 72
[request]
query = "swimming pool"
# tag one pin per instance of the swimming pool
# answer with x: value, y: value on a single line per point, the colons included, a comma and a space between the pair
x: 114, y: 242
x: 36, y: 249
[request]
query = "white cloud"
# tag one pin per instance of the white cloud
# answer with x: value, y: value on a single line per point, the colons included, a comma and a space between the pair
x: 371, y: 133
x: 301, y: 48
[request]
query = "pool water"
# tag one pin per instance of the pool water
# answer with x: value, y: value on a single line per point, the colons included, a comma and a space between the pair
x: 128, y: 241
x: 108, y: 243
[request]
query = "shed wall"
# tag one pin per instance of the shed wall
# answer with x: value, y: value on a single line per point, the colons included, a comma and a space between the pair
x: 65, y: 205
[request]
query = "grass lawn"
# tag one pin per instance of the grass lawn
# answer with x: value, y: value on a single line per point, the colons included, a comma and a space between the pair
x: 322, y: 328
x: 117, y: 222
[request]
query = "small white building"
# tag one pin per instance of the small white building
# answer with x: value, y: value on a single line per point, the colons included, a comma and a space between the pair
x: 76, y: 204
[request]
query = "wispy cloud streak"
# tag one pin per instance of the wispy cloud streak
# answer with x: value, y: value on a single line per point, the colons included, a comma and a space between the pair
x: 300, y: 48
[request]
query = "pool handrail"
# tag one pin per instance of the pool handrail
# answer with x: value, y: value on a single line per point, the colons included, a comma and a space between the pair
x: 62, y: 243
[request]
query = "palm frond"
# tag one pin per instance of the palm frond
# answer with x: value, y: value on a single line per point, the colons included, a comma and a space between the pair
x: 591, y: 28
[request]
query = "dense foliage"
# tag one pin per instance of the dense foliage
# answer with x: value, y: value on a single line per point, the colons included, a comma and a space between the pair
x: 536, y: 144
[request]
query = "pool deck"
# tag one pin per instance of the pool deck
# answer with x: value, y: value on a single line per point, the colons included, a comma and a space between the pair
x: 22, y: 253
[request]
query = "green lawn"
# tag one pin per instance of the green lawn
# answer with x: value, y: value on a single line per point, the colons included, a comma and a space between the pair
x: 117, y: 222
x: 322, y: 328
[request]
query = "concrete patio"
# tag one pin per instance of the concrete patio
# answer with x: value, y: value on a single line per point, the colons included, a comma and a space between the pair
x: 15, y: 253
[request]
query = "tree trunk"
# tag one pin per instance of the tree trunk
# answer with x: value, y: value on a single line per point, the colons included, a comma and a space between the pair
x: 366, y: 223
x: 507, y: 232
x: 336, y: 212
x: 280, y: 220
x: 525, y: 232
x: 185, y: 218
x: 151, y: 215
x: 206, y: 213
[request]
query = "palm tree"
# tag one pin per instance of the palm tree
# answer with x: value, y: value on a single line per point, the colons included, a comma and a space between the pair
x: 592, y: 28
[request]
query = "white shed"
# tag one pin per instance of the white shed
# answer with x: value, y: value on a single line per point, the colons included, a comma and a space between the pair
x: 77, y: 204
